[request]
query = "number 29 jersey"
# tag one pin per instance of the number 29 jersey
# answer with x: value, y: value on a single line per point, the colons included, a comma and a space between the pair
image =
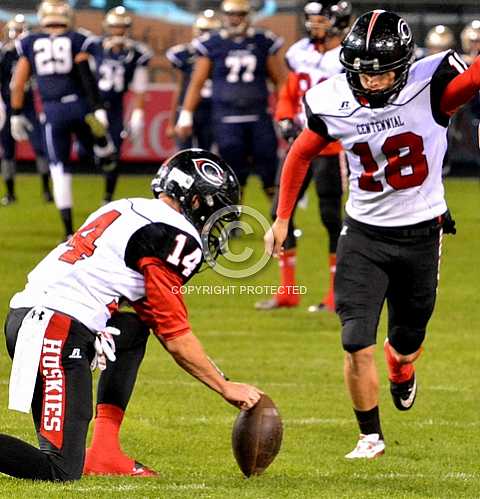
x: 52, y: 59
x: 395, y: 153
x: 88, y: 275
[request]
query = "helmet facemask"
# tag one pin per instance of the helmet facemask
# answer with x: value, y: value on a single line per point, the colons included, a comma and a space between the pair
x: 206, y: 190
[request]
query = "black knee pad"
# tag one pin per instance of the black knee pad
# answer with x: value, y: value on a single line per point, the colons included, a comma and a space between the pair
x: 406, y: 340
x: 331, y: 215
x: 352, y: 338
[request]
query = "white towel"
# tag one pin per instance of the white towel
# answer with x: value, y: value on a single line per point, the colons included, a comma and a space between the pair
x: 27, y: 358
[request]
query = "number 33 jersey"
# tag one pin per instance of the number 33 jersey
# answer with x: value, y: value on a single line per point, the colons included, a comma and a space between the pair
x: 52, y: 61
x: 106, y: 260
x: 395, y: 153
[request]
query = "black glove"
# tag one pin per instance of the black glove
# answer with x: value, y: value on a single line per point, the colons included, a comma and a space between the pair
x: 448, y: 224
x: 289, y: 129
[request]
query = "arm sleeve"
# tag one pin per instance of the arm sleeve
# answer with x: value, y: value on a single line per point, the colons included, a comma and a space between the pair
x: 305, y: 148
x: 163, y: 308
x: 288, y: 98
x: 461, y: 89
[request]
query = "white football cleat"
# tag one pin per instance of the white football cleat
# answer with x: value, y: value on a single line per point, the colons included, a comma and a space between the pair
x: 368, y: 447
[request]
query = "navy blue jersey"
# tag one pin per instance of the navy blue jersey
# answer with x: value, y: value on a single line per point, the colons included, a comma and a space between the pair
x: 8, y: 60
x: 182, y: 57
x: 239, y: 69
x: 51, y: 58
x: 115, y: 70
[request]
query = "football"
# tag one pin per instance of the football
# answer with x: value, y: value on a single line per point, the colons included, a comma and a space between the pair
x: 257, y: 437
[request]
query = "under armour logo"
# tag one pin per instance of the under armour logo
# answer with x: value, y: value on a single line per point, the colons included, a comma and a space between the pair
x: 40, y: 314
x: 344, y: 105
x: 343, y: 232
x: 75, y: 354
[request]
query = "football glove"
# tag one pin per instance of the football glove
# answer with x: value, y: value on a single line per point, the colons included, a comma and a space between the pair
x: 98, y: 122
x: 289, y: 130
x: 20, y: 127
x: 104, y: 348
x: 136, y: 125
x: 448, y: 224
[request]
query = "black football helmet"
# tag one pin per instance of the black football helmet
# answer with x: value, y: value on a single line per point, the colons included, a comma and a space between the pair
x: 379, y: 41
x: 338, y: 14
x: 203, y: 184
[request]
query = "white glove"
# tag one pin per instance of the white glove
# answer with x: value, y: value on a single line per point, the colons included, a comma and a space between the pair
x: 136, y: 125
x: 102, y: 117
x: 104, y: 348
x: 20, y: 126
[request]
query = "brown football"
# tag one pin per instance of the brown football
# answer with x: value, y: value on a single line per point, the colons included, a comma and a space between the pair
x: 257, y: 437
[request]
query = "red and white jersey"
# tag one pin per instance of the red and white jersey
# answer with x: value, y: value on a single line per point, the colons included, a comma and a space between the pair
x: 303, y: 57
x: 107, y: 259
x: 395, y: 153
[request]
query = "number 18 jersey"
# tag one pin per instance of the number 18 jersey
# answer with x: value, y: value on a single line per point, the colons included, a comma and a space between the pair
x: 395, y: 153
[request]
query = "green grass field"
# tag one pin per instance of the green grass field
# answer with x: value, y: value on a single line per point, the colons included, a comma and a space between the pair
x: 182, y: 429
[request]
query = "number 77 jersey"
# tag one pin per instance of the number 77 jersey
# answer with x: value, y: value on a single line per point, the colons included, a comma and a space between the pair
x: 395, y: 153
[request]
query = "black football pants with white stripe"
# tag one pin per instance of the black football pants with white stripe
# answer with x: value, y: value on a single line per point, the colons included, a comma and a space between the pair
x: 62, y: 400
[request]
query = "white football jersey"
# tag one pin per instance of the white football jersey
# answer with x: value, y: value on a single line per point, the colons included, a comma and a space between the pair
x: 86, y: 276
x: 303, y: 57
x: 395, y: 153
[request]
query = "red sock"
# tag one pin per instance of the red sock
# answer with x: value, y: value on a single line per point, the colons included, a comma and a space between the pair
x: 398, y: 373
x: 105, y: 454
x: 329, y: 299
x: 287, y: 263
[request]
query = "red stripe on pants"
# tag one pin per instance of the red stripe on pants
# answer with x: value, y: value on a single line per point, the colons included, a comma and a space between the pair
x: 51, y: 370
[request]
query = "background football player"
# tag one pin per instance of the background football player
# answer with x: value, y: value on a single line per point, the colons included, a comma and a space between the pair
x: 239, y: 59
x: 121, y: 63
x: 310, y: 61
x: 391, y: 115
x: 56, y: 57
x: 470, y: 38
x: 138, y: 249
x: 8, y: 59
x: 182, y: 58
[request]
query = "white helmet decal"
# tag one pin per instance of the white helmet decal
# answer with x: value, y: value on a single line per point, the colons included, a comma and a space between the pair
x: 209, y: 171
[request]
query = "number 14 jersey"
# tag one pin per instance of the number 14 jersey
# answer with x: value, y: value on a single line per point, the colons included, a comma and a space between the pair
x: 104, y: 261
x: 395, y: 153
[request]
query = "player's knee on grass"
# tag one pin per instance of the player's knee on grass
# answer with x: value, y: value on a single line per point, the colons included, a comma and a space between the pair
x: 356, y: 335
x: 406, y: 340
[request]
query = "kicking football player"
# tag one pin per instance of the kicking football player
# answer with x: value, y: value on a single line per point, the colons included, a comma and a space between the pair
x: 8, y: 59
x: 311, y: 60
x: 121, y: 63
x: 137, y: 249
x: 182, y: 58
x: 55, y: 56
x: 239, y: 59
x: 391, y: 116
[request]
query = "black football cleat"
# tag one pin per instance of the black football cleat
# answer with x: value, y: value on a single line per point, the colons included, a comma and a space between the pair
x: 404, y: 394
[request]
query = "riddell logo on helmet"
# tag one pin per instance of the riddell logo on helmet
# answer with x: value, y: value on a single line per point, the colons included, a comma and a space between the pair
x: 209, y: 171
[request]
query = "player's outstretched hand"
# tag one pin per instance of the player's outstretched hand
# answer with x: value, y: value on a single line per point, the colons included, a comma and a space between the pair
x: 241, y: 395
x: 275, y: 236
